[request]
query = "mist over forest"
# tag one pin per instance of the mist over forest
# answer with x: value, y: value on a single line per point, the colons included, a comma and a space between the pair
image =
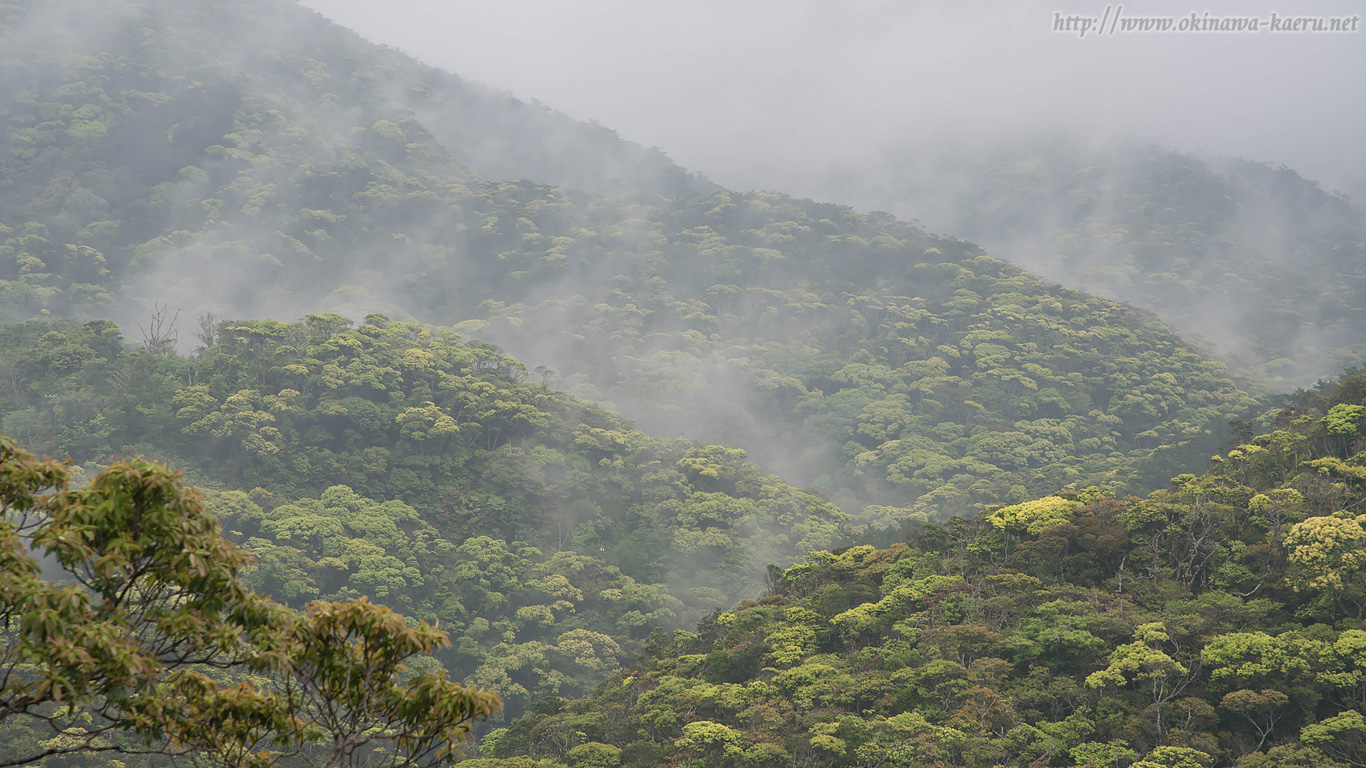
x: 761, y: 385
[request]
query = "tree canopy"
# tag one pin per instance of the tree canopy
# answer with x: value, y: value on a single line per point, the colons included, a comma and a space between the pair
x: 985, y: 543
x: 128, y: 628
x: 1216, y: 622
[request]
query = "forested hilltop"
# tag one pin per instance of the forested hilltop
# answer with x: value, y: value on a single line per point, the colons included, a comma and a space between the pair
x: 184, y: 153
x: 221, y: 143
x: 546, y: 535
x: 1220, y: 621
x: 1261, y: 265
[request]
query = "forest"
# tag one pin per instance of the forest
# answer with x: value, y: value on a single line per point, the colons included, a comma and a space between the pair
x: 836, y: 348
x: 356, y: 414
x: 1218, y: 621
x: 1260, y: 265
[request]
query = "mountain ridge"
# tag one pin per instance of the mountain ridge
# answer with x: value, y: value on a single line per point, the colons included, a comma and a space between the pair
x: 838, y: 347
x: 1251, y: 261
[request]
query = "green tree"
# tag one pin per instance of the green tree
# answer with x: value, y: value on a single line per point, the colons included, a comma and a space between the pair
x: 1144, y: 664
x: 150, y: 641
x: 1341, y: 737
x: 1328, y: 555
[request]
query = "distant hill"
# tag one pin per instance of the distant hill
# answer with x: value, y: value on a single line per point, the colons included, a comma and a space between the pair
x: 250, y: 159
x: 123, y: 121
x: 215, y: 59
x: 1251, y: 261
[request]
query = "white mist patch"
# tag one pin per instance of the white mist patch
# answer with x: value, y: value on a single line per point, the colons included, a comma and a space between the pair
x: 746, y: 92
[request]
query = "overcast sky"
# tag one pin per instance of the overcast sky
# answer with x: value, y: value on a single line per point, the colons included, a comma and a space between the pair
x: 741, y: 89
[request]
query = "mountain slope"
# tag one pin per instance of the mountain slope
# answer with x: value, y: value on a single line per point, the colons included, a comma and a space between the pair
x: 427, y: 474
x: 161, y: 159
x: 1217, y: 622
x: 1262, y: 266
x: 113, y: 111
x: 219, y: 54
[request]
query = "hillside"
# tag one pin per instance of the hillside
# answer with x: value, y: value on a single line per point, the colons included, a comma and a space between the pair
x: 428, y: 474
x: 214, y: 60
x: 1217, y: 622
x: 561, y: 398
x: 1259, y: 265
x: 901, y: 374
x: 239, y: 123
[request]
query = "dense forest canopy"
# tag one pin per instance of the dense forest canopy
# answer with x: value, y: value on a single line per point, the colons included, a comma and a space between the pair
x: 548, y: 392
x: 1217, y: 622
x: 429, y: 474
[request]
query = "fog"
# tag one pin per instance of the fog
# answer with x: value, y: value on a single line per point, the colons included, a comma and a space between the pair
x: 842, y: 102
x: 746, y: 92
x: 985, y: 125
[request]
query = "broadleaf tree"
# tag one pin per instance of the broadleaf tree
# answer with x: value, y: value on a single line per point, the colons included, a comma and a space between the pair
x: 127, y: 628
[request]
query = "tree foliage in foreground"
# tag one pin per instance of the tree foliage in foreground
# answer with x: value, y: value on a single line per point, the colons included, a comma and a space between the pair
x: 128, y: 629
x: 1218, y: 622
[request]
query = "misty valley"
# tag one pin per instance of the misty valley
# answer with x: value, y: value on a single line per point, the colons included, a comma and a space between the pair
x: 353, y: 413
